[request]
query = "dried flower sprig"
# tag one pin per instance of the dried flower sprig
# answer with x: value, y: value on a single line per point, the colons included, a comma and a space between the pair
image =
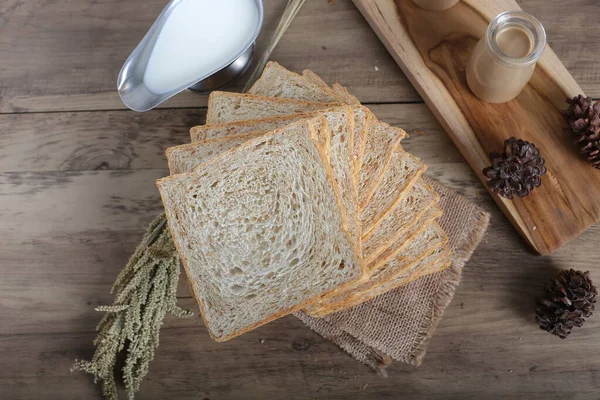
x: 145, y: 291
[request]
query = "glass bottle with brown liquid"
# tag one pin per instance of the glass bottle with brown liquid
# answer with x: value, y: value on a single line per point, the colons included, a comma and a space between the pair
x: 504, y: 60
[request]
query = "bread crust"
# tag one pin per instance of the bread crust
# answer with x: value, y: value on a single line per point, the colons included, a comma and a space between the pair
x: 304, y: 87
x: 302, y: 106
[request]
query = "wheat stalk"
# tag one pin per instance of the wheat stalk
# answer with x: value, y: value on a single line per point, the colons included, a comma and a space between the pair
x: 145, y: 291
x: 292, y: 8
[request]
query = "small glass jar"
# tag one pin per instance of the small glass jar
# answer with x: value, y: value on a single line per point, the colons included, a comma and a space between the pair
x: 436, y: 5
x: 503, y: 62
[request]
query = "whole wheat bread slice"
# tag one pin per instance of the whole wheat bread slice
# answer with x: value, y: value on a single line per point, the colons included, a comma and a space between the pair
x: 230, y: 107
x: 276, y: 81
x: 381, y: 143
x: 216, y: 131
x: 341, y: 126
x: 409, y: 211
x: 316, y: 79
x: 186, y: 157
x: 340, y: 123
x: 399, y: 176
x: 362, y: 121
x: 338, y: 148
x: 362, y: 114
x: 377, y: 261
x: 422, y: 245
x: 249, y: 225
x: 342, y: 92
x: 341, y: 153
x: 444, y: 261
x: 413, y: 238
x: 437, y: 260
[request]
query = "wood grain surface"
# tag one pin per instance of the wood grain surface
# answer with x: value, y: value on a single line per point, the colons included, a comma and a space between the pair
x: 66, y: 55
x: 433, y: 49
x: 77, y: 189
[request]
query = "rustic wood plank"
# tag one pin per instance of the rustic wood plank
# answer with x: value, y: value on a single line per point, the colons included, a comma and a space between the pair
x: 84, y: 141
x: 36, y: 203
x: 122, y: 140
x: 432, y: 49
x: 288, y: 357
x: 59, y: 56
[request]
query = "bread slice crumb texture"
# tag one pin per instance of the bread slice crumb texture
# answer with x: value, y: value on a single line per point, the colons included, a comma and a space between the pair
x: 259, y: 231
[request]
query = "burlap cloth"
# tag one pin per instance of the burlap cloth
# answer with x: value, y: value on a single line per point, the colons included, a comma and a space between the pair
x: 399, y: 324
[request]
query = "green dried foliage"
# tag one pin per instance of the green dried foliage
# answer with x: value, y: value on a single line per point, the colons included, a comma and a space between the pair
x: 145, y: 291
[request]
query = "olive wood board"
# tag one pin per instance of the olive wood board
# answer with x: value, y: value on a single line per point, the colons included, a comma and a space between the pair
x: 432, y: 49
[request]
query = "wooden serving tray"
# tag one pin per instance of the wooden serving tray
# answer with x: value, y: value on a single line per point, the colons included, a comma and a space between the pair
x: 432, y: 49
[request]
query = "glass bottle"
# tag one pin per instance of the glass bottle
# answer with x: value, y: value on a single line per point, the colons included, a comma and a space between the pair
x: 504, y: 60
x: 436, y: 5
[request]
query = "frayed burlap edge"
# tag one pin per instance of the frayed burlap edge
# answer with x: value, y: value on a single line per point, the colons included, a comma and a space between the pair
x: 451, y: 280
x: 370, y: 356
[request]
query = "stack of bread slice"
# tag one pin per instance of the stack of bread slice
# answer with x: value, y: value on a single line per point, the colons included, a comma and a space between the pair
x: 295, y: 196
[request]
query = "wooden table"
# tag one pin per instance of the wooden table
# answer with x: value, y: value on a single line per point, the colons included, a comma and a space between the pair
x: 77, y: 175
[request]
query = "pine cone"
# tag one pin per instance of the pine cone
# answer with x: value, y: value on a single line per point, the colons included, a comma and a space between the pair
x: 579, y: 112
x: 568, y: 300
x: 516, y: 171
x: 584, y: 120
